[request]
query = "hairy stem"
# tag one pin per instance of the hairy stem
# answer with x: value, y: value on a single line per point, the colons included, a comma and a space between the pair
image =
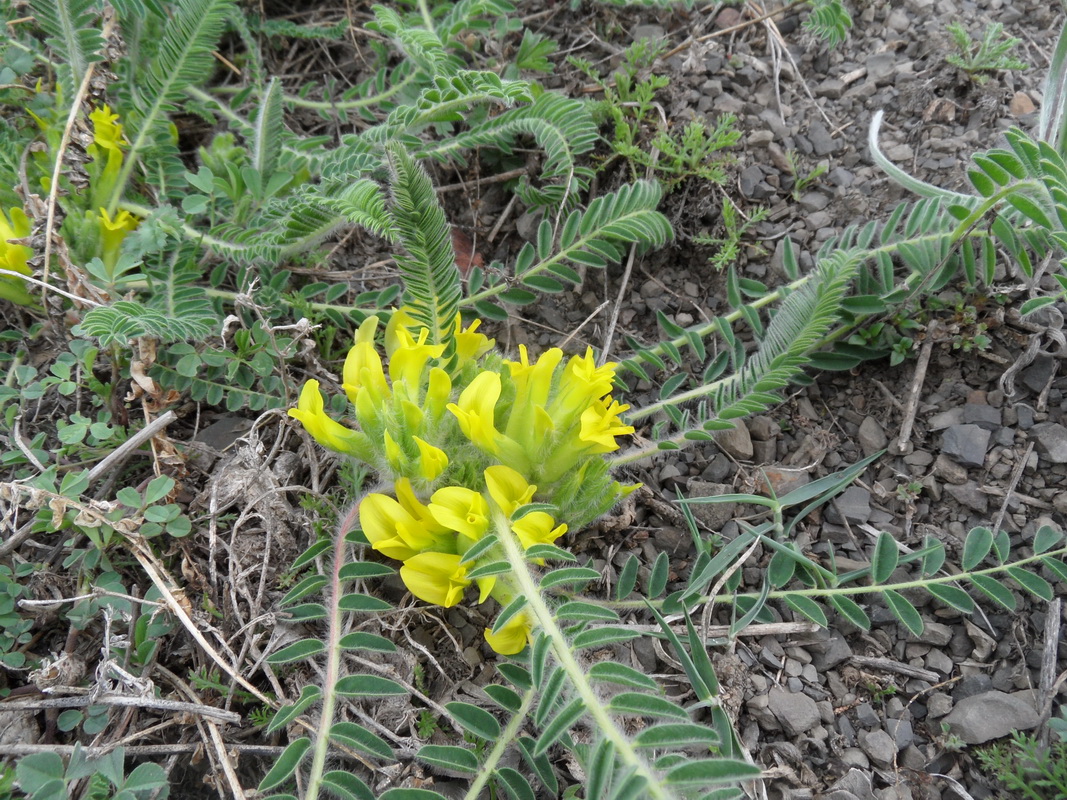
x: 333, y: 656
x: 561, y: 649
x: 503, y: 743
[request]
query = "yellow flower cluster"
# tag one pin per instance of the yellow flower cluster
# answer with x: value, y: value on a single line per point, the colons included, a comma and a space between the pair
x: 431, y: 540
x: 104, y: 168
x: 468, y: 437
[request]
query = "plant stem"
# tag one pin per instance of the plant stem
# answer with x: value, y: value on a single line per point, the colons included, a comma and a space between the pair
x: 500, y: 747
x: 303, y: 102
x: 561, y: 648
x: 333, y: 657
x: 845, y: 591
x: 427, y: 17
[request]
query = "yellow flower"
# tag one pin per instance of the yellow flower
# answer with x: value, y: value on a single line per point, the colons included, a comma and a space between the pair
x: 399, y: 320
x: 393, y: 530
x: 582, y: 382
x: 14, y: 225
x: 432, y: 460
x: 601, y: 424
x: 363, y: 372
x: 462, y: 510
x: 508, y: 488
x: 326, y: 431
x: 405, y: 494
x: 536, y: 528
x: 409, y: 358
x: 393, y: 454
x: 471, y: 345
x: 529, y: 422
x: 437, y: 578
x: 113, y: 232
x: 512, y: 638
x: 476, y: 409
x: 107, y: 132
x: 533, y: 382
x: 106, y: 154
x: 438, y: 390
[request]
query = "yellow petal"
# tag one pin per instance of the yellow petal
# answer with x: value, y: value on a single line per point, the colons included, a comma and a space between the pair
x: 325, y: 430
x: 476, y: 409
x: 485, y: 587
x: 508, y: 488
x: 383, y: 521
x: 408, y: 360
x: 363, y: 370
x: 405, y: 494
x: 462, y: 510
x: 582, y: 383
x: 601, y: 424
x: 470, y: 345
x: 393, y: 530
x: 437, y: 578
x: 432, y: 460
x: 438, y: 391
x: 107, y: 133
x: 14, y: 256
x: 537, y: 528
x: 512, y: 638
x: 400, y: 320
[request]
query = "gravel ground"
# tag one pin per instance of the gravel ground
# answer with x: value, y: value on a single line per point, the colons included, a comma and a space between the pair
x: 840, y: 713
x: 835, y: 713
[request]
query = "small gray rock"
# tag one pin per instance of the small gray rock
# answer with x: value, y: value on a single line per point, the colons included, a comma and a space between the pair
x: 674, y: 541
x: 919, y: 458
x: 948, y: 470
x: 813, y: 201
x: 1025, y: 415
x: 854, y: 757
x: 879, y: 747
x: 796, y: 712
x: 939, y: 661
x: 1037, y: 375
x: 645, y: 653
x: 735, y: 441
x: 945, y: 419
x: 853, y: 504
x: 968, y: 494
x: 829, y: 651
x: 670, y: 472
x: 982, y: 415
x: 880, y: 67
x: 866, y: 716
x: 527, y: 224
x: 934, y: 633
x: 971, y: 685
x: 714, y: 515
x: 991, y: 715
x: 901, y: 731
x: 937, y: 705
x: 871, y: 437
x: 749, y: 179
x: 856, y: 782
x: 966, y: 443
x: 831, y: 88
x: 821, y: 142
x: 1051, y: 441
x: 898, y: 20
x: 763, y: 429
